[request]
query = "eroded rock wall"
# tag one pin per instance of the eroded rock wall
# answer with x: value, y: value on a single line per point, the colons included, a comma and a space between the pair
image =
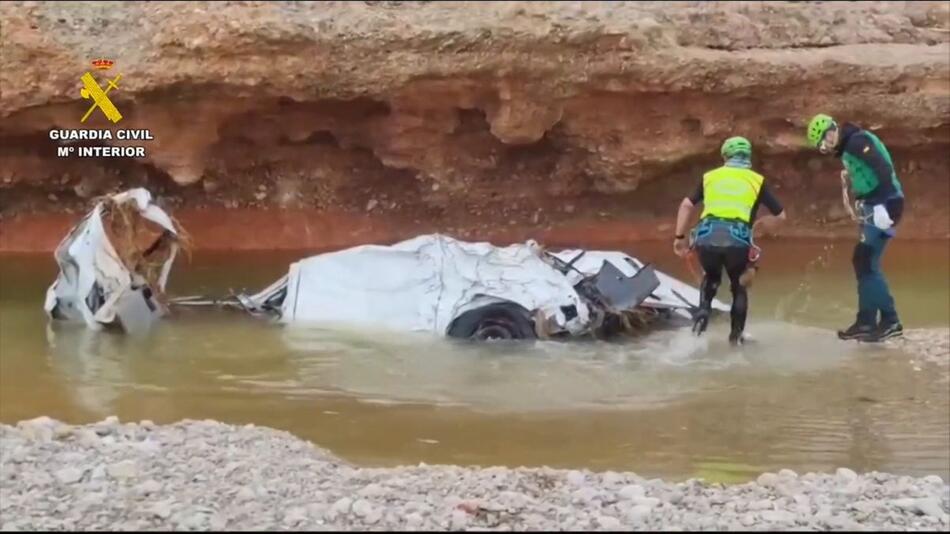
x: 472, y: 117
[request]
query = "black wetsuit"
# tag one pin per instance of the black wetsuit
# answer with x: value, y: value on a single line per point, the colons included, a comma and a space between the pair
x: 720, y: 249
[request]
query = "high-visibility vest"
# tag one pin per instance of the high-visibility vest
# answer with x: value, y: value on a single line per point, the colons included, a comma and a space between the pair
x: 730, y: 193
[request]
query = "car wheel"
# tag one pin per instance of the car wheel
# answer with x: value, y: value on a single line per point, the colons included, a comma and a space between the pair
x: 500, y: 321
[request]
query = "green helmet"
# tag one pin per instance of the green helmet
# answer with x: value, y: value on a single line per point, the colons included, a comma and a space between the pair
x: 735, y: 146
x: 819, y: 124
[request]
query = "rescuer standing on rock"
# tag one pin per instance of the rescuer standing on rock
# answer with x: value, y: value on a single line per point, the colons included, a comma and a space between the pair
x: 724, y: 236
x: 869, y: 171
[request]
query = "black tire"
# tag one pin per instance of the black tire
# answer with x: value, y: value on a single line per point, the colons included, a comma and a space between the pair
x: 499, y: 321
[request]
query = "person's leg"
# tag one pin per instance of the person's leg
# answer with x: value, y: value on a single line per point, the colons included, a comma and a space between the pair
x: 711, y: 259
x: 866, y: 319
x: 878, y: 290
x: 873, y: 292
x: 863, y: 260
x: 736, y: 260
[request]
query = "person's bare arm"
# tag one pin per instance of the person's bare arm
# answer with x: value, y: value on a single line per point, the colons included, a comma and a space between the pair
x: 845, y: 201
x: 684, y: 215
x: 776, y: 213
x: 768, y: 222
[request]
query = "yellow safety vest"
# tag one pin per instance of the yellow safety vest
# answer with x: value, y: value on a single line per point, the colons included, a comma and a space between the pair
x: 730, y: 193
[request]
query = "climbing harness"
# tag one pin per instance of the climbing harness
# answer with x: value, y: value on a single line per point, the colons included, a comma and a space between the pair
x: 723, y: 233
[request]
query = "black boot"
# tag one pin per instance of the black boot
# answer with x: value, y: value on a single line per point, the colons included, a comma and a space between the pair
x: 856, y: 331
x: 735, y: 338
x: 700, y: 322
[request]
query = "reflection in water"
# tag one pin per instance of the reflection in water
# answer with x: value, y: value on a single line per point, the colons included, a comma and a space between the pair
x: 661, y: 367
x: 92, y: 360
x: 667, y: 404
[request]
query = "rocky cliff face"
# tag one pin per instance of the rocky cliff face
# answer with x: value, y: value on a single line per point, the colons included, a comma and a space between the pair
x: 471, y: 118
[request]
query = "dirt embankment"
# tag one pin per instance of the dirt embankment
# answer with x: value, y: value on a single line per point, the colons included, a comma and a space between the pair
x: 284, y: 124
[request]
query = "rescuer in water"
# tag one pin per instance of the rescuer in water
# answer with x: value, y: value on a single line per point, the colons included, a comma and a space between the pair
x: 724, y: 237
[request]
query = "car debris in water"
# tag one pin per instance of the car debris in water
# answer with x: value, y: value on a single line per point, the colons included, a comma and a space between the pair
x: 114, y: 265
x: 438, y: 284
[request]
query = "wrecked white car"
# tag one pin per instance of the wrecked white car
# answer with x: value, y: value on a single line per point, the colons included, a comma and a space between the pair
x: 438, y: 284
x: 114, y: 265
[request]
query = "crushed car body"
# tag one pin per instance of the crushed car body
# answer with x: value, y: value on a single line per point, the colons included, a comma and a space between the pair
x: 114, y: 265
x: 460, y: 289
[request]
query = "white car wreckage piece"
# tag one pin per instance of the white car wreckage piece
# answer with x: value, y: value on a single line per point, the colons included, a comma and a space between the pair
x: 430, y: 283
x: 114, y: 265
x: 438, y: 284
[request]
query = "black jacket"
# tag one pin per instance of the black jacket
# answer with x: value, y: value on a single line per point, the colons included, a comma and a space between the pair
x: 856, y: 143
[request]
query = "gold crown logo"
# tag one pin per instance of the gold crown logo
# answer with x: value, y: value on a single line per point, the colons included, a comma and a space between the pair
x: 103, y: 64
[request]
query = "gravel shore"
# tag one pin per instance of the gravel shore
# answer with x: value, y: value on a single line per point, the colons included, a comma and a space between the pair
x: 200, y: 475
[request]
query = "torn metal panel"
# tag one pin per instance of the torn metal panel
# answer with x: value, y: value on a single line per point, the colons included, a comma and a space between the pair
x: 671, y: 293
x: 114, y: 265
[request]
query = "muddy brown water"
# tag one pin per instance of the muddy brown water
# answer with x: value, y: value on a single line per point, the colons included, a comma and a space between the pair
x: 667, y: 405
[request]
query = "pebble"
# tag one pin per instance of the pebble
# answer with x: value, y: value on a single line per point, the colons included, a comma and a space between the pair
x: 361, y: 508
x: 649, y: 502
x: 372, y: 517
x: 317, y: 510
x: 148, y: 446
x: 214, y: 476
x: 161, y: 510
x: 459, y: 520
x: 608, y: 522
x: 675, y: 497
x: 929, y: 506
x: 218, y: 521
x: 846, y: 474
x: 149, y: 486
x: 245, y: 494
x: 372, y: 490
x: 631, y: 492
x: 342, y: 506
x: 803, y: 503
x: 778, y: 516
x: 294, y: 516
x: 98, y: 472
x: 748, y: 519
x: 905, y: 504
x: 639, y: 513
x: 414, y: 520
x: 585, y: 495
x: 87, y: 437
x: 841, y: 522
x: 69, y: 475
x: 62, y: 431
x: 575, y: 478
x: 122, y: 470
